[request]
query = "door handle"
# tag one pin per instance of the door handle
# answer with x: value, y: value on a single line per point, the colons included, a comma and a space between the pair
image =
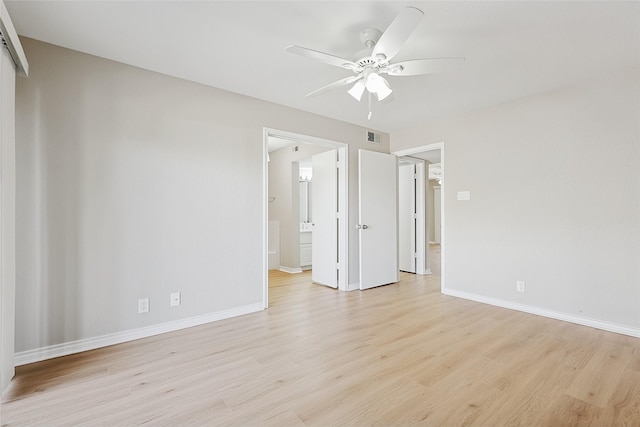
x: 362, y: 227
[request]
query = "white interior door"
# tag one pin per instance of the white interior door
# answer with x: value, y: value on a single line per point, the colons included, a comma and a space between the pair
x: 407, y: 217
x: 378, y: 218
x: 324, y: 205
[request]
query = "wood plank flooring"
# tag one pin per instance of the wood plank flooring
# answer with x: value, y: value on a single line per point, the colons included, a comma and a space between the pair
x: 401, y: 354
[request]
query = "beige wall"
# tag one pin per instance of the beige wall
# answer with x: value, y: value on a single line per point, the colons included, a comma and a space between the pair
x: 133, y: 184
x: 559, y: 206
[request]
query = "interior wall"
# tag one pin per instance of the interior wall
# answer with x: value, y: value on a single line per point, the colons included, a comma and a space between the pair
x: 283, y: 182
x: 134, y: 184
x: 7, y: 217
x: 559, y: 207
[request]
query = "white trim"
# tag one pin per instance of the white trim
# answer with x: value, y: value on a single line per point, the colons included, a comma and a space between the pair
x: 13, y: 42
x: 353, y: 286
x: 265, y: 218
x: 598, y: 324
x: 65, y: 349
x: 290, y: 270
x: 420, y: 149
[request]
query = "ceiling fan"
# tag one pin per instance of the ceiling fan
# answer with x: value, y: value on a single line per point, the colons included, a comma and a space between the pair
x: 374, y: 61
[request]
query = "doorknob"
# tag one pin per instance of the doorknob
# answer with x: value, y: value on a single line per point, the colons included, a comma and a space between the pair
x: 362, y: 227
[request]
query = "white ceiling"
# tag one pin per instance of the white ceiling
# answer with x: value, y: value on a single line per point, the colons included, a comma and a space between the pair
x: 513, y: 49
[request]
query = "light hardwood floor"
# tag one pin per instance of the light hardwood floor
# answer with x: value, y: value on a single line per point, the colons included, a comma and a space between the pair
x: 395, y: 355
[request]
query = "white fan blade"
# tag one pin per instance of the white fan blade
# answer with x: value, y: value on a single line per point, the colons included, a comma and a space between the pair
x: 397, y: 33
x: 322, y: 57
x: 424, y: 66
x: 334, y: 85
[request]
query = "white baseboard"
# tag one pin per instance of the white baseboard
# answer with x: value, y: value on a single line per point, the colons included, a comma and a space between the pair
x: 598, y: 324
x: 64, y: 349
x: 353, y: 286
x: 290, y: 270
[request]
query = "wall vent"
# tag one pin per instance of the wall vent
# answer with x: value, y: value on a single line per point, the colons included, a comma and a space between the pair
x: 373, y: 137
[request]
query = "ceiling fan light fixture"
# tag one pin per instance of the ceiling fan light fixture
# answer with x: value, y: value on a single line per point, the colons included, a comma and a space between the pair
x: 357, y: 90
x: 378, y: 85
x: 374, y: 81
x: 384, y: 89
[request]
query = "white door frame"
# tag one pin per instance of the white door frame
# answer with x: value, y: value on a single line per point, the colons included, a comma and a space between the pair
x: 343, y: 205
x: 421, y: 149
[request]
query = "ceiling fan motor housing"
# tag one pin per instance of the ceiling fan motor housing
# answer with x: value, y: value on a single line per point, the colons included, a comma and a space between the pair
x: 365, y: 61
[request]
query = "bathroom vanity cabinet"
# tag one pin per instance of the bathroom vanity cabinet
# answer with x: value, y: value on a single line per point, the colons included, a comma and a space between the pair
x: 305, y: 250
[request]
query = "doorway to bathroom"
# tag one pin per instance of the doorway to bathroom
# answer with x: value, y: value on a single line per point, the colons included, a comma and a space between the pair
x: 305, y: 214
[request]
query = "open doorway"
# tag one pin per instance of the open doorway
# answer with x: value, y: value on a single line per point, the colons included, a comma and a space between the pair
x: 432, y: 250
x: 290, y: 220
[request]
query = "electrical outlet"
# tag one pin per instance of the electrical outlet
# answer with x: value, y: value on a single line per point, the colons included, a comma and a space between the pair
x: 520, y: 287
x: 175, y: 299
x: 143, y: 305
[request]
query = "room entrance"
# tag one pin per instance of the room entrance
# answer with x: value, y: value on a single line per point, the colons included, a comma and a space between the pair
x: 299, y: 171
x: 429, y: 212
